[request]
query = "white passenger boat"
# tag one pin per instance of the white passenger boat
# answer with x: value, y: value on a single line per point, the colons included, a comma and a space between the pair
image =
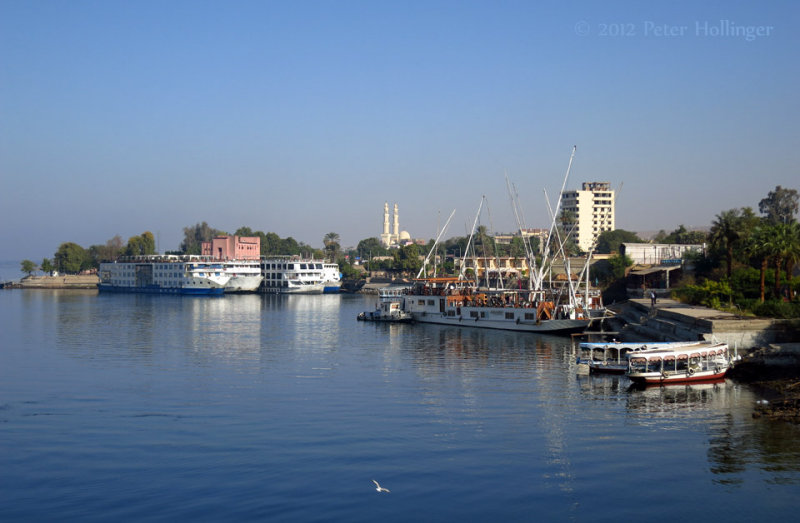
x: 332, y: 278
x: 167, y: 274
x: 451, y: 301
x: 245, y: 275
x: 688, y: 363
x: 611, y: 357
x: 293, y: 275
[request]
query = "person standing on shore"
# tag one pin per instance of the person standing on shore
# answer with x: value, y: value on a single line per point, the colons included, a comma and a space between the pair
x: 652, y: 299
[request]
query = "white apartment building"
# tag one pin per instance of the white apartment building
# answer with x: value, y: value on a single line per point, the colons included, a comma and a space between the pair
x: 593, y: 210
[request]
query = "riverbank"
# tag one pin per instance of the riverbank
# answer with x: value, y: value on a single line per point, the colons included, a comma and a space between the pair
x: 768, y: 347
x: 775, y: 370
x: 66, y: 281
x: 670, y: 320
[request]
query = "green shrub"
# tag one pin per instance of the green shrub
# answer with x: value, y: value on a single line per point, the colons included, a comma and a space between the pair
x: 777, y: 309
x: 711, y: 293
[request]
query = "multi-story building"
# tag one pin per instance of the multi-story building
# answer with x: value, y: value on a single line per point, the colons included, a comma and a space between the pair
x: 592, y: 209
x: 233, y: 248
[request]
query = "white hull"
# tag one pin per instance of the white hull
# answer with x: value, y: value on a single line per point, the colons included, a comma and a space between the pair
x: 504, y: 318
x: 310, y: 288
x: 244, y: 283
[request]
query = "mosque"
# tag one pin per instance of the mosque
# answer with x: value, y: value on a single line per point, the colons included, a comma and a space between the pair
x: 396, y: 237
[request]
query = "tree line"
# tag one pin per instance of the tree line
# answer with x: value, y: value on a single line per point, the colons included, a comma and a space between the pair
x: 750, y: 259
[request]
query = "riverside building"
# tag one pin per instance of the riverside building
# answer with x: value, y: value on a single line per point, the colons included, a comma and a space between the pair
x: 593, y: 210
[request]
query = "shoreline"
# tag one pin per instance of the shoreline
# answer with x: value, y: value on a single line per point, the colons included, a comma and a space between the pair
x: 66, y: 281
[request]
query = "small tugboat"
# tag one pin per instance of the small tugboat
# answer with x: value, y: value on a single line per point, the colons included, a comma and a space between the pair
x: 389, y: 311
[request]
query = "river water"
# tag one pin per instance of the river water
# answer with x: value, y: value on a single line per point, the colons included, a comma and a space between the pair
x: 285, y: 408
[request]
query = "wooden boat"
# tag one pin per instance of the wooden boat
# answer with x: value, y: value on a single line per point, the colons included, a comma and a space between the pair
x: 612, y: 357
x: 458, y: 302
x: 683, y: 364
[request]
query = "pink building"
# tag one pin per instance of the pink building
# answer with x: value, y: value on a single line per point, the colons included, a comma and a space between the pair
x: 233, y: 248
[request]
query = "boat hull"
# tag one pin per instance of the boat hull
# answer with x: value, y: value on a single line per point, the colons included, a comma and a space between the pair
x: 378, y: 317
x: 155, y: 289
x: 243, y: 284
x: 651, y: 378
x: 610, y: 368
x: 299, y: 289
x: 556, y: 326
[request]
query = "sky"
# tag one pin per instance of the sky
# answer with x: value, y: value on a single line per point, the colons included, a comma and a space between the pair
x: 303, y: 118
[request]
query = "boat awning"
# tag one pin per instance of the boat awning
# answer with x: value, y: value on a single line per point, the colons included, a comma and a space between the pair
x: 651, y: 270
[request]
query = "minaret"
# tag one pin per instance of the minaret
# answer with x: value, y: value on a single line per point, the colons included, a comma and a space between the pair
x: 386, y: 238
x: 396, y: 231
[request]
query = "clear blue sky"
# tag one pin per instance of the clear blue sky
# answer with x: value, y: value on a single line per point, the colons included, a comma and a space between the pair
x: 303, y: 118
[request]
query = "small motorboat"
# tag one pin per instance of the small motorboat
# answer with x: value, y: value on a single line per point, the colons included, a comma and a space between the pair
x: 389, y: 311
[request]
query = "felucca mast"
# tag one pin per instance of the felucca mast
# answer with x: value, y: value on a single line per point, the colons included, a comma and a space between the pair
x: 555, y: 214
x: 526, y: 242
x: 433, y: 249
x: 469, y: 242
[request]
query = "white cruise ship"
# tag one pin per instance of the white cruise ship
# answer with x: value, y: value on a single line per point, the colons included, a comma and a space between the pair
x: 245, y: 275
x: 332, y: 278
x: 293, y: 275
x: 164, y: 274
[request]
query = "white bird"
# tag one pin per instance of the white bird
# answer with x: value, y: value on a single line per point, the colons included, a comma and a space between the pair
x: 379, y: 488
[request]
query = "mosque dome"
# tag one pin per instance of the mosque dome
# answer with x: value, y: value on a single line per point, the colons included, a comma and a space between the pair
x: 404, y: 236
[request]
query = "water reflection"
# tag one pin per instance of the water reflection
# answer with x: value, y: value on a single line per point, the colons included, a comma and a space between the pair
x: 228, y: 328
x: 313, y: 319
x: 735, y: 440
x: 147, y: 328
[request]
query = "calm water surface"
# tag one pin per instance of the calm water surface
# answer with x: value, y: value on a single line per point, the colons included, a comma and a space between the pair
x: 272, y: 408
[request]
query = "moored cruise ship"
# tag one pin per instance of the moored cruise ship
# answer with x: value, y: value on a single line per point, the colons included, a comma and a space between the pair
x: 245, y: 275
x: 332, y: 278
x: 163, y: 274
x: 293, y: 275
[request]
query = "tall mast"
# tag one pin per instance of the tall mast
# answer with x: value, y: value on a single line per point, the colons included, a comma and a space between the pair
x: 469, y: 242
x: 558, y: 207
x: 433, y: 249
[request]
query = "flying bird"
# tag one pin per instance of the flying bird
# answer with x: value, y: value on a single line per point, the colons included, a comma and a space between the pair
x: 379, y: 488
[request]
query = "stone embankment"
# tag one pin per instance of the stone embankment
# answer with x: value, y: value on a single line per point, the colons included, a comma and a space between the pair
x: 670, y: 320
x: 66, y: 281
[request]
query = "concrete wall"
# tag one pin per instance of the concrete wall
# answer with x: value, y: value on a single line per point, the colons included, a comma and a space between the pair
x: 677, y: 322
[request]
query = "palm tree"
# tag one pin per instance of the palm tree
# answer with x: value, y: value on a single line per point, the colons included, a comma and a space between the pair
x: 725, y: 232
x: 331, y: 242
x: 786, y: 248
x: 792, y: 254
x: 761, y: 247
